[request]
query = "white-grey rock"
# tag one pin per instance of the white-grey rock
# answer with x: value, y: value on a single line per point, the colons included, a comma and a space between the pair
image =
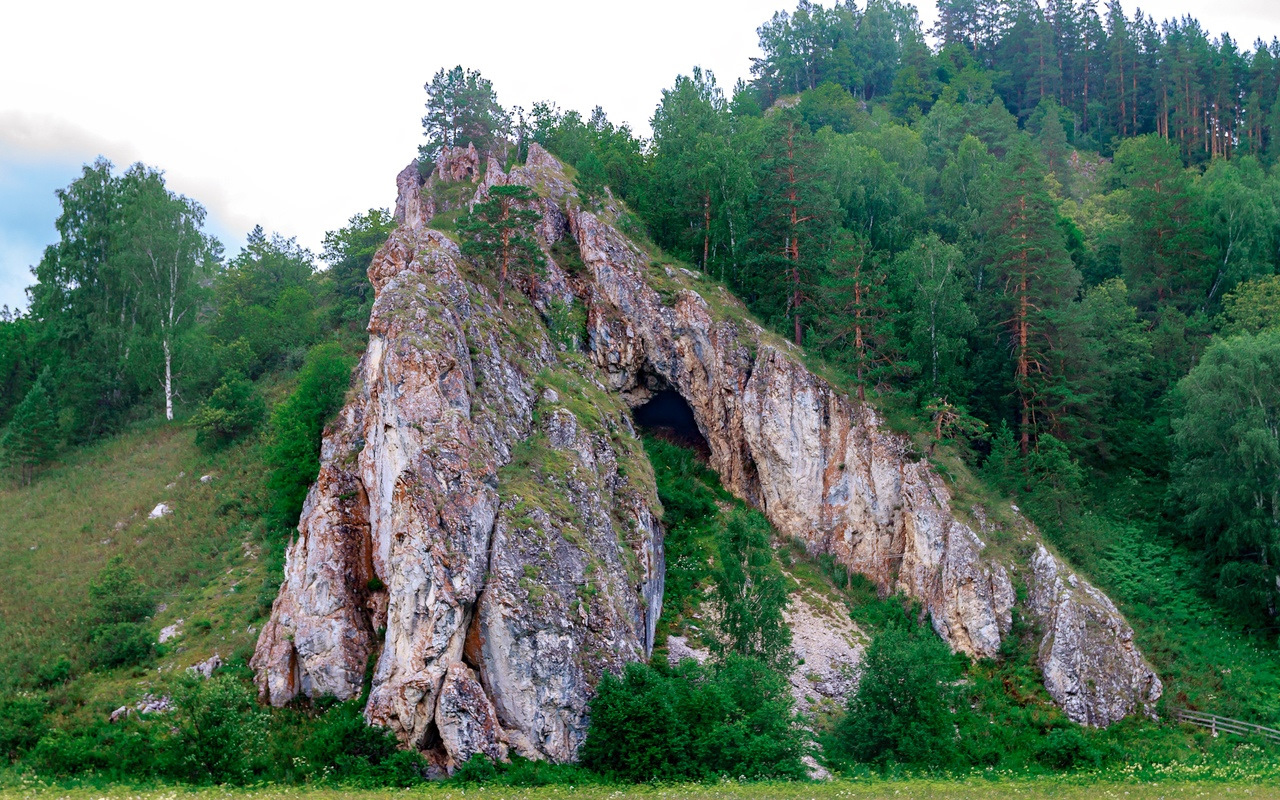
x: 169, y: 632
x: 206, y: 668
x: 161, y: 510
x: 151, y: 704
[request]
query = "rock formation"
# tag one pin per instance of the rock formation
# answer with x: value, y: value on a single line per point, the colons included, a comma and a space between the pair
x: 484, y: 524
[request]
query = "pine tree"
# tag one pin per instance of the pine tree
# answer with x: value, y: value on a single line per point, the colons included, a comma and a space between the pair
x: 794, y: 221
x: 462, y: 109
x: 854, y: 309
x: 32, y: 436
x: 500, y: 235
x: 1027, y: 258
x: 1165, y: 244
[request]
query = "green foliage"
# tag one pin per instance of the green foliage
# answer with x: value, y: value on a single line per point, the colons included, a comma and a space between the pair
x: 339, y: 746
x: 591, y: 176
x: 936, y: 320
x: 907, y: 706
x: 21, y: 724
x: 462, y: 109
x: 20, y: 359
x: 234, y: 409
x: 220, y: 730
x: 1067, y: 748
x: 831, y: 105
x: 688, y: 490
x: 1254, y: 306
x: 349, y: 251
x: 500, y: 235
x: 119, y: 602
x: 266, y: 298
x: 567, y: 324
x: 480, y: 770
x: 118, y: 595
x: 1165, y: 242
x: 115, y: 296
x: 119, y: 644
x: 31, y: 440
x: 751, y: 592
x: 693, y: 723
x: 1227, y: 436
x: 293, y: 452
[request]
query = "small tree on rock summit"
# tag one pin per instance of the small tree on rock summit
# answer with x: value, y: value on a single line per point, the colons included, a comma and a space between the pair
x: 462, y: 109
x: 500, y: 235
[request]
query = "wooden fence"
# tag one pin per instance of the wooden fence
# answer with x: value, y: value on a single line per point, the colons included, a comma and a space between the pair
x: 1216, y: 723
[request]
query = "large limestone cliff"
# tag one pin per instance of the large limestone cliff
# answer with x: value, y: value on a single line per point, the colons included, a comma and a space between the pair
x: 484, y: 522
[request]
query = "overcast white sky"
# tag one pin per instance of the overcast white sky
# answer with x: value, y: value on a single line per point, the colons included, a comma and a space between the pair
x: 283, y: 114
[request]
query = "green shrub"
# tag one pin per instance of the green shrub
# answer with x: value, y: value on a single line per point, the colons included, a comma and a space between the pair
x: 520, y: 772
x: 130, y: 749
x: 54, y: 672
x: 118, y: 594
x: 293, y: 453
x: 1067, y: 748
x: 694, y: 723
x: 234, y: 409
x: 907, y: 706
x: 120, y: 644
x: 339, y: 745
x: 21, y: 724
x: 220, y: 730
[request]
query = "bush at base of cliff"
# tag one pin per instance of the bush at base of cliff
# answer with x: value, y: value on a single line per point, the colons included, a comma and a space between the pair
x: 694, y: 723
x: 221, y: 730
x: 907, y: 706
x: 338, y: 746
x: 521, y: 772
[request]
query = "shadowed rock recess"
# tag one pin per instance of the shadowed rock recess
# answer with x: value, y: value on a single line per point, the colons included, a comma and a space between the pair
x: 485, y: 523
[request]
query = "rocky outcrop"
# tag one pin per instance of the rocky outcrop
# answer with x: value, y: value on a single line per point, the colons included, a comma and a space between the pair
x: 827, y: 471
x: 1092, y: 684
x: 489, y: 544
x: 484, y: 527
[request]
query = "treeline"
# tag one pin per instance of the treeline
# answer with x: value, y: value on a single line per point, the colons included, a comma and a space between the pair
x: 1114, y: 76
x: 136, y: 311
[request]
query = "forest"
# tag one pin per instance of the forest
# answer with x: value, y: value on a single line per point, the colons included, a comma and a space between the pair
x: 1045, y: 238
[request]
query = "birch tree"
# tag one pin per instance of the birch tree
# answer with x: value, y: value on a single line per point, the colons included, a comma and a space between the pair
x: 167, y: 256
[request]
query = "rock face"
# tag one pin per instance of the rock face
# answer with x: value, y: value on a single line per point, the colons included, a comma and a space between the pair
x: 826, y: 471
x: 484, y: 527
x: 1090, y: 683
x: 483, y: 524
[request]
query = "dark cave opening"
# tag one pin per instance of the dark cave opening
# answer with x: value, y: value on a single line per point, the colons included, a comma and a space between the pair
x: 667, y: 416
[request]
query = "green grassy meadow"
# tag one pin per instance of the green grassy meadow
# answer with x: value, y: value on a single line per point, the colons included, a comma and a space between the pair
x: 202, y: 560
x: 978, y: 789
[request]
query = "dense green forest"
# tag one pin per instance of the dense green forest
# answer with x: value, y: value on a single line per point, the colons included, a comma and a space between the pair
x: 1048, y: 243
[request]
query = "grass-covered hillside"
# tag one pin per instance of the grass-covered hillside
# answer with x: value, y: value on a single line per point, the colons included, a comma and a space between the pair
x: 202, y: 561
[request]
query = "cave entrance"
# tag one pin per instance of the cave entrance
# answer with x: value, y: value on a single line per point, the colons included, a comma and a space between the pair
x: 667, y: 416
